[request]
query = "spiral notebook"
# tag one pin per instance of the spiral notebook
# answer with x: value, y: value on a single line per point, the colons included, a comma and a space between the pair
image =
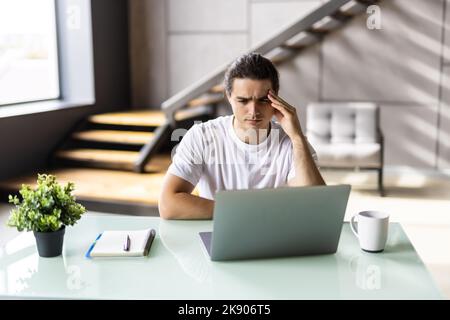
x: 113, y: 243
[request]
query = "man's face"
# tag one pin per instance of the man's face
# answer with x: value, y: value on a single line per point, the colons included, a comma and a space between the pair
x: 251, y: 107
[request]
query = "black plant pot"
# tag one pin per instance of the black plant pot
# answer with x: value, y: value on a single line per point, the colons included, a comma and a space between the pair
x: 49, y: 244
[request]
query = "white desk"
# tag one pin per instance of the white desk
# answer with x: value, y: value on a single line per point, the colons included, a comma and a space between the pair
x: 178, y: 268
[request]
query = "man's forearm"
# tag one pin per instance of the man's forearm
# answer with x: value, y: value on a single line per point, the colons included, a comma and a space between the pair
x: 183, y: 205
x: 306, y: 172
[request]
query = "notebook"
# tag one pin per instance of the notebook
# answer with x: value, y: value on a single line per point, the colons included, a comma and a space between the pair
x: 111, y: 243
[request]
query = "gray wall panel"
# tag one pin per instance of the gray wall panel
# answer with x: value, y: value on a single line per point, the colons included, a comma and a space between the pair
x: 444, y: 125
x: 268, y: 17
x: 194, y: 56
x: 299, y: 81
x: 447, y: 33
x: 207, y: 15
x: 110, y: 40
x: 399, y: 63
x: 148, y: 58
x: 410, y: 135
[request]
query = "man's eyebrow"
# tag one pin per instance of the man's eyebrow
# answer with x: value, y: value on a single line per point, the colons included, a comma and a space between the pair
x: 248, y: 98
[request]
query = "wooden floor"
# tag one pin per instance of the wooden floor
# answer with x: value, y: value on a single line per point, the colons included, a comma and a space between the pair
x: 106, y: 185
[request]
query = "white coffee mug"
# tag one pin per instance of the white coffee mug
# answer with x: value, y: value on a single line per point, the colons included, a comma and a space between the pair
x: 372, y: 230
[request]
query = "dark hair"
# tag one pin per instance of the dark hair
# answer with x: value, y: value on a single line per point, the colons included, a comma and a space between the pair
x: 253, y: 66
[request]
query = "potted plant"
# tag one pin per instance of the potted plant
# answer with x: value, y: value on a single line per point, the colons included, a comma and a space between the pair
x: 46, y: 211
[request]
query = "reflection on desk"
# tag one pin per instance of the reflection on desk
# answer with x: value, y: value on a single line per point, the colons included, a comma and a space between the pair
x: 178, y: 267
x: 179, y: 240
x: 395, y: 273
x: 28, y: 274
x: 266, y: 278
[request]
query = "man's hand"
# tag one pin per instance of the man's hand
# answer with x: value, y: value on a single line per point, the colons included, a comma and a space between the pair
x: 306, y: 172
x: 286, y: 115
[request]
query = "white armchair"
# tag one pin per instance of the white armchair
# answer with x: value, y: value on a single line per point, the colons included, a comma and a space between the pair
x: 346, y: 135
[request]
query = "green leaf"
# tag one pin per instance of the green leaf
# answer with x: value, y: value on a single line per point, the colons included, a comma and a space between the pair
x: 46, y: 208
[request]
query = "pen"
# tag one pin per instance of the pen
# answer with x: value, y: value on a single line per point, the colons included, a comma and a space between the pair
x: 126, y: 245
x: 88, y: 253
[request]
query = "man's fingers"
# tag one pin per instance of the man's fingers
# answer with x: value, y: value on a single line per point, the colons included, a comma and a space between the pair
x: 282, y: 106
x: 276, y: 97
x: 278, y: 115
x: 278, y: 102
x: 281, y: 109
x: 281, y: 102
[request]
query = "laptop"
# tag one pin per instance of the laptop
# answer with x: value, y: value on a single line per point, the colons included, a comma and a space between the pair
x: 281, y: 222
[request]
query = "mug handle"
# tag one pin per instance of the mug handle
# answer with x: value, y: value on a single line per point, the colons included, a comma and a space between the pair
x: 353, y: 226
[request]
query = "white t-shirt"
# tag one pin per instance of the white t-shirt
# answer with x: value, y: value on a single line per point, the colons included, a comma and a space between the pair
x: 212, y: 157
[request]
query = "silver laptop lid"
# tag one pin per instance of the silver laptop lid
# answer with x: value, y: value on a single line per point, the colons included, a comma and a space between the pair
x: 278, y: 222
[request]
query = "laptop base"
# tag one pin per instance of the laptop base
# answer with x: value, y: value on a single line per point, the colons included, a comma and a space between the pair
x: 206, y: 239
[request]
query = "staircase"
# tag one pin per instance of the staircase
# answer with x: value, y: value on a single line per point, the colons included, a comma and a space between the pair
x: 127, y: 140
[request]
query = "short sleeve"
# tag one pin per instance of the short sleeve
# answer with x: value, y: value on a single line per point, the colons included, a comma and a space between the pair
x: 292, y: 165
x: 187, y: 163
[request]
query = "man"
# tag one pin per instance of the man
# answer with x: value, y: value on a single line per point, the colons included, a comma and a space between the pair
x: 244, y: 151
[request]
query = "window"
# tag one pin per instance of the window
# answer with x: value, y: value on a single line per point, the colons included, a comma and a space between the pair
x: 28, y: 51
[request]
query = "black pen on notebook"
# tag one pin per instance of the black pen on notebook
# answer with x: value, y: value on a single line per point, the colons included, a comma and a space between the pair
x: 126, y: 245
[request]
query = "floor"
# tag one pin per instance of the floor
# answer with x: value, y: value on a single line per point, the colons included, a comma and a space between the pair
x: 421, y: 203
x: 103, y: 184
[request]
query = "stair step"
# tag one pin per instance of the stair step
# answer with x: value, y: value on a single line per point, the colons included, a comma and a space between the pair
x: 279, y: 54
x: 326, y: 24
x: 206, y: 99
x: 150, y: 118
x: 217, y: 89
x: 97, y: 157
x: 116, y: 159
x: 302, y: 39
x: 145, y: 118
x: 352, y: 8
x: 114, y: 136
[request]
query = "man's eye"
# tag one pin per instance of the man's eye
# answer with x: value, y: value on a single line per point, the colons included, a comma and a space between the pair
x: 242, y: 101
x: 265, y: 100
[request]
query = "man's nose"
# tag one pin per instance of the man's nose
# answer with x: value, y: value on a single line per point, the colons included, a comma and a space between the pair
x: 253, y: 107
